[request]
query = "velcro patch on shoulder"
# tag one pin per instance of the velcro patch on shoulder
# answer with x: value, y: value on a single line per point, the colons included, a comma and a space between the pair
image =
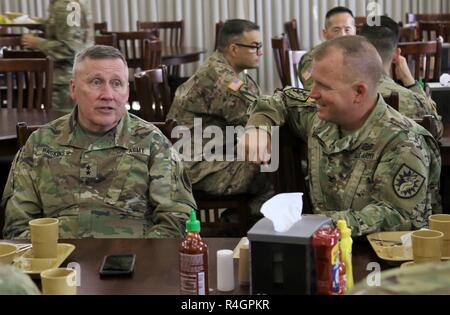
x: 297, y: 94
x: 407, y: 182
x: 235, y: 85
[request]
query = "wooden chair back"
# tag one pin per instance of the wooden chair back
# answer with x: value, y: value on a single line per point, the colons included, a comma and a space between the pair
x: 290, y: 28
x: 171, y: 33
x: 407, y: 34
x: 106, y: 39
x: 392, y: 100
x: 23, y: 54
x: 424, y: 59
x: 219, y: 26
x: 24, y: 131
x: 431, y: 30
x: 280, y: 46
x: 100, y: 27
x: 153, y: 93
x: 27, y: 83
x: 413, y: 17
x: 152, y: 53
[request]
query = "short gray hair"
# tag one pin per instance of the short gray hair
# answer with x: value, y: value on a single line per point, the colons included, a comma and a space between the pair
x: 97, y: 52
x: 361, y: 59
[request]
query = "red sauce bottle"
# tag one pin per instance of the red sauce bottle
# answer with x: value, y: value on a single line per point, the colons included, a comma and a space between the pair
x: 193, y: 260
x: 327, y: 261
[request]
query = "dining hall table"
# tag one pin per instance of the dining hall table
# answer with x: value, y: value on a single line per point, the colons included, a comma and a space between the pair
x: 157, y: 265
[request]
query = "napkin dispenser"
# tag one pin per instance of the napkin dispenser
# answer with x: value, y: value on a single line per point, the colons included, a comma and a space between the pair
x: 441, y: 95
x: 283, y: 263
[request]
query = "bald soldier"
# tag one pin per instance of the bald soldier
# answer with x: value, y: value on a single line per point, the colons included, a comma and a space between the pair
x: 212, y: 98
x: 413, y: 102
x: 66, y: 34
x: 339, y: 21
x: 368, y: 164
x: 101, y: 171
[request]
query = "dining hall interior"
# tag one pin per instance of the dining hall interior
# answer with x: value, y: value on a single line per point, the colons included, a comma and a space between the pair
x: 166, y: 45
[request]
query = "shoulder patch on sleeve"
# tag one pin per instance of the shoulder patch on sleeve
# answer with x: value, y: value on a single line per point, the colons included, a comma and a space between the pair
x: 407, y: 182
x: 297, y: 94
x: 235, y: 85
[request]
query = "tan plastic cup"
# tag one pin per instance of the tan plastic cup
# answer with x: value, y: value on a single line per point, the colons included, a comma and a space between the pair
x: 427, y: 245
x: 59, y: 281
x: 44, y: 237
x: 441, y: 222
x: 7, y: 253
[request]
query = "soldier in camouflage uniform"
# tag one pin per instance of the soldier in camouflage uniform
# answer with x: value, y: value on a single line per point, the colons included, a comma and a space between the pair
x: 64, y: 38
x: 413, y: 102
x: 101, y: 171
x: 211, y: 94
x: 368, y: 164
x: 15, y: 282
x: 339, y: 21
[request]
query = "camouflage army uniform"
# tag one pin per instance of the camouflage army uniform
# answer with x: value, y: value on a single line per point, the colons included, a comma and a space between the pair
x: 62, y: 43
x: 15, y: 282
x: 413, y: 102
x: 212, y: 95
x: 304, y: 68
x: 384, y: 176
x: 128, y: 183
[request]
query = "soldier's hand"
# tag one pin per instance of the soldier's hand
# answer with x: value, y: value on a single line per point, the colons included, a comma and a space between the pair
x: 402, y: 71
x: 254, y: 146
x: 31, y: 41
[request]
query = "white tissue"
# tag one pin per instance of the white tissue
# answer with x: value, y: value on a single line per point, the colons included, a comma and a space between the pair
x: 283, y: 210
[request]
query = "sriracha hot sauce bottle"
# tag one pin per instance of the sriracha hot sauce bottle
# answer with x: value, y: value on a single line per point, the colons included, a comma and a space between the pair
x: 193, y: 260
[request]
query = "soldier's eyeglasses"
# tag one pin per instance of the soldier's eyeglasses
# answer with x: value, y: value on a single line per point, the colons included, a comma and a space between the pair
x: 254, y: 48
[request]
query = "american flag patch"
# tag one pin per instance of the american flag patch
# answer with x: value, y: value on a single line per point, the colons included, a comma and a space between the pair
x: 235, y: 85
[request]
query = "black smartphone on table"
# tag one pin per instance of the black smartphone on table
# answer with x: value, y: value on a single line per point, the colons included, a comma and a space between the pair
x: 118, y: 265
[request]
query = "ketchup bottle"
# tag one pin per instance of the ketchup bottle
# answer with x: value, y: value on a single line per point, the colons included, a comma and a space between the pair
x: 327, y: 260
x: 193, y: 260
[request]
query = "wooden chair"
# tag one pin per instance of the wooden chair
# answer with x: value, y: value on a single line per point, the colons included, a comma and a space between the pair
x: 24, y: 131
x: 23, y: 54
x: 280, y: 46
x: 413, y: 17
x: 359, y: 22
x: 424, y: 59
x: 392, y: 100
x: 152, y: 53
x: 290, y: 28
x: 210, y: 207
x: 293, y: 58
x: 106, y: 39
x: 100, y: 27
x: 407, y: 34
x: 171, y: 33
x: 431, y: 30
x: 29, y: 83
x: 219, y: 26
x: 11, y: 42
x: 153, y: 93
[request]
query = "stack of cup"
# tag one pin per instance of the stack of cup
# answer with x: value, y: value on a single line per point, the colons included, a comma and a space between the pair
x: 441, y: 223
x: 44, y: 237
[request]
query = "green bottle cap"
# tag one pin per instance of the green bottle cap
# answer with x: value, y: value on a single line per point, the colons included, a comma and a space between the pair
x: 193, y: 225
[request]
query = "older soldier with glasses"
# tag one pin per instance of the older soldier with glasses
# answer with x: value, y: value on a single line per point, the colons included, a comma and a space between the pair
x: 212, y: 97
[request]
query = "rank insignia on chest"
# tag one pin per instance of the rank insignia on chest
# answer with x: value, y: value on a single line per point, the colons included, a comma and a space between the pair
x: 407, y: 182
x: 88, y: 170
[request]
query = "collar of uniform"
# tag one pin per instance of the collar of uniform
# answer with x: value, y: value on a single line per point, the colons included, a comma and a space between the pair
x: 386, y: 78
x: 67, y: 136
x: 330, y: 138
x: 219, y: 57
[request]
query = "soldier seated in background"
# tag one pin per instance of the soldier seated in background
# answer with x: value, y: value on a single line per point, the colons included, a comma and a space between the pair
x: 101, y: 171
x: 212, y: 98
x: 413, y: 102
x: 368, y: 164
x: 339, y: 21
